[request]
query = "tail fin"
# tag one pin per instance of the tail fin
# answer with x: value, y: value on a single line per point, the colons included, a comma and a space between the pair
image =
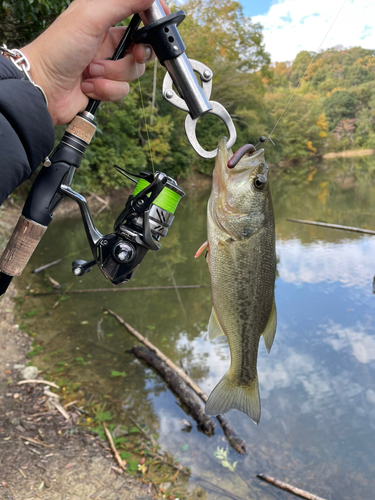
x: 227, y: 396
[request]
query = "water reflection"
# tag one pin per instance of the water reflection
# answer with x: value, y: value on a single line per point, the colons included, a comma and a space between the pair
x: 358, y: 340
x: 317, y: 384
x: 348, y: 262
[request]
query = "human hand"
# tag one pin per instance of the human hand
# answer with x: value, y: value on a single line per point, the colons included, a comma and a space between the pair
x: 69, y: 61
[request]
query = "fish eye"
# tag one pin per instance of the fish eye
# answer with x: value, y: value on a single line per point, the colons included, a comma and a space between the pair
x: 259, y: 185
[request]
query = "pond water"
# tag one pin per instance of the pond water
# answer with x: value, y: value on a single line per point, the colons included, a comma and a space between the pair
x: 317, y: 385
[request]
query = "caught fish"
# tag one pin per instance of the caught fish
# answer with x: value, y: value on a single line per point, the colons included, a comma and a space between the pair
x: 242, y: 263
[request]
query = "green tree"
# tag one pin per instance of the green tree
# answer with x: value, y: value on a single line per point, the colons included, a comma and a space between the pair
x: 299, y: 66
x: 22, y: 20
x: 357, y: 75
x: 340, y: 106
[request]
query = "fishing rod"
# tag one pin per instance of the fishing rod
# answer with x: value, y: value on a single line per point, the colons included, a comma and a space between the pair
x: 149, y: 211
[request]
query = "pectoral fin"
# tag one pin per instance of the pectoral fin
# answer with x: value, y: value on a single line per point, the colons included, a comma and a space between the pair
x: 270, y: 330
x: 214, y: 328
x: 201, y: 249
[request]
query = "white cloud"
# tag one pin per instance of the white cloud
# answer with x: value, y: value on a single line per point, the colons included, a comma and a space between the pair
x: 293, y: 25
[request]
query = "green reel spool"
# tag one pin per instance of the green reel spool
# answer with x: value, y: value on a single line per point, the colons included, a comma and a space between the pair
x: 167, y: 200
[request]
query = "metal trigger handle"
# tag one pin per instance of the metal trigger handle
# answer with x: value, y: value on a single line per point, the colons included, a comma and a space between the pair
x: 216, y: 109
x: 191, y: 124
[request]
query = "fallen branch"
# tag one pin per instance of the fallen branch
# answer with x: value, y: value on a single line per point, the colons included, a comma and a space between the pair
x: 148, y: 437
x: 105, y: 202
x: 43, y: 413
x: 83, y: 412
x: 51, y: 394
x: 116, y: 469
x: 46, y: 266
x: 333, y: 226
x: 129, y: 289
x: 34, y: 441
x: 237, y: 443
x: 71, y: 254
x: 32, y: 381
x: 60, y: 409
x: 113, y: 448
x: 188, y: 398
x: 287, y: 487
x: 22, y: 473
x: 54, y: 283
x: 71, y: 403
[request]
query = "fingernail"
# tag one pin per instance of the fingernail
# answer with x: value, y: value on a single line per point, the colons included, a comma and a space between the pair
x: 96, y: 69
x: 148, y: 53
x: 87, y: 87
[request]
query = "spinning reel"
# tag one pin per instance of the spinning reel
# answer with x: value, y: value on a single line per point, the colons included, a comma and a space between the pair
x: 146, y: 218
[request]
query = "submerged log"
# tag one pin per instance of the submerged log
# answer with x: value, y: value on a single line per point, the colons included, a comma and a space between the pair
x: 287, y: 487
x: 187, y: 397
x: 235, y: 442
x: 333, y: 226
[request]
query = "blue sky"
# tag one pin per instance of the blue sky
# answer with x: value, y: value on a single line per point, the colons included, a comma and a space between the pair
x: 294, y: 25
x: 255, y: 8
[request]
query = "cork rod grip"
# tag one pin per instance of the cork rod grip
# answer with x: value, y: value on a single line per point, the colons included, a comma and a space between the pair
x: 21, y: 246
x: 81, y: 128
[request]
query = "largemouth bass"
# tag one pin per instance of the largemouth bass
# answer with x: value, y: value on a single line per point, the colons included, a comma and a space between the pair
x: 242, y: 263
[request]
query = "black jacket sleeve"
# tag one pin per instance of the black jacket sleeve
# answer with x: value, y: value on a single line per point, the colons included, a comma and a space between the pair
x: 26, y: 128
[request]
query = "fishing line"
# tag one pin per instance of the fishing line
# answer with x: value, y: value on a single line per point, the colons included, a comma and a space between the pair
x: 176, y: 290
x: 144, y: 118
x: 308, y: 67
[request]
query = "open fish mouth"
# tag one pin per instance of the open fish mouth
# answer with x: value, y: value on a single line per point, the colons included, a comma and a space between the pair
x: 243, y: 159
x: 248, y: 161
x: 242, y: 172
